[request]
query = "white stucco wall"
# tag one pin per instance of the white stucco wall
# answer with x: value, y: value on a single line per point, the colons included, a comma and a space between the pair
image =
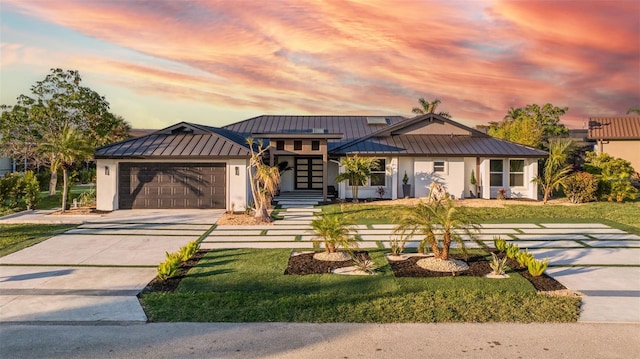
x: 237, y: 185
x: 106, y: 185
x: 453, y: 177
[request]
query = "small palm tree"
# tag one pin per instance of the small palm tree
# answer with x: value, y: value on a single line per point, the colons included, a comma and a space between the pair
x: 64, y: 149
x: 264, y: 180
x: 429, y: 107
x: 335, y: 231
x: 555, y: 169
x: 357, y: 171
x: 439, y: 223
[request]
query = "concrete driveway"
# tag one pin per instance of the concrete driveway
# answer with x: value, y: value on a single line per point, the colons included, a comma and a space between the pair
x: 94, y: 272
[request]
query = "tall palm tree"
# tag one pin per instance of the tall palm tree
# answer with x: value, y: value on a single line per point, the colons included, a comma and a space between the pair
x: 439, y: 223
x: 64, y: 149
x: 555, y: 169
x: 357, y: 171
x: 429, y: 107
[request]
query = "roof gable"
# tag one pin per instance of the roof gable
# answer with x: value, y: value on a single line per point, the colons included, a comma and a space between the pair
x: 182, y: 140
x: 614, y: 128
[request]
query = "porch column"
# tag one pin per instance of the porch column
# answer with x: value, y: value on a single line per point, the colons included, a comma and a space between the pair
x: 394, y: 177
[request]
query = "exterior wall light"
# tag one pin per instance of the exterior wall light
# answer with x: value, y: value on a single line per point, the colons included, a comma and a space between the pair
x: 106, y: 170
x: 237, y: 171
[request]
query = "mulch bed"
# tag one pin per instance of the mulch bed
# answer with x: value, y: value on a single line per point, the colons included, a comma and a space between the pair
x: 304, y: 263
x: 170, y: 284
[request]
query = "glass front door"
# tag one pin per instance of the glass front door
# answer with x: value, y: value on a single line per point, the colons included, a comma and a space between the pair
x: 308, y: 172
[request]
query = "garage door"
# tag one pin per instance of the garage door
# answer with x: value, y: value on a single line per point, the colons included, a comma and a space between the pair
x: 171, y: 185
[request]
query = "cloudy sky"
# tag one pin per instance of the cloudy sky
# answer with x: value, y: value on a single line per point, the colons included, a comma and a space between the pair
x: 159, y: 62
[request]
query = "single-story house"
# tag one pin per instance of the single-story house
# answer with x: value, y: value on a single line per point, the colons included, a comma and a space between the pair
x: 617, y: 136
x: 195, y: 166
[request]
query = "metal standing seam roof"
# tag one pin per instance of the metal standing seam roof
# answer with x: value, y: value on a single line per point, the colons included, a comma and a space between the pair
x: 610, y: 128
x: 440, y: 145
x: 207, y: 142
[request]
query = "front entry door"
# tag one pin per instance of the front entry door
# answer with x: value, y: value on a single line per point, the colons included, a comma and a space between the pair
x: 308, y: 172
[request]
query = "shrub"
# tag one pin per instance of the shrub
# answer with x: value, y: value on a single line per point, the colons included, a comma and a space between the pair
x: 614, y: 174
x: 500, y: 244
x: 523, y: 258
x: 537, y: 267
x: 621, y: 190
x: 87, y: 175
x: 187, y: 251
x: 88, y: 198
x: 580, y: 187
x: 512, y: 250
x: 169, y: 268
x: 365, y: 265
x: 30, y: 189
x: 498, y: 265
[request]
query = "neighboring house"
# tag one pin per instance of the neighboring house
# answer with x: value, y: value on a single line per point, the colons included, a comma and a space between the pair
x: 6, y: 166
x: 194, y: 166
x: 617, y: 136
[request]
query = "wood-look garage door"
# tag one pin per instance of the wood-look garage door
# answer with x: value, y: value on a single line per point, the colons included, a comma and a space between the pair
x: 171, y: 185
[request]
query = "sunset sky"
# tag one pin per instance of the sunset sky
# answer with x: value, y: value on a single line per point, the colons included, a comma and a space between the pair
x: 216, y: 62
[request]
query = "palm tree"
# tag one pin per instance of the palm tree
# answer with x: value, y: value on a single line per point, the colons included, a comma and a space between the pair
x: 335, y: 231
x: 429, y: 107
x: 64, y: 149
x: 439, y: 223
x: 555, y: 169
x: 357, y: 170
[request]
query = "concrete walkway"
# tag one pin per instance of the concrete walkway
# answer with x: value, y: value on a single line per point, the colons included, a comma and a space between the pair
x: 93, y: 273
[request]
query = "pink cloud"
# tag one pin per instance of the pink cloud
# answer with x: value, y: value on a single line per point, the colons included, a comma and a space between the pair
x: 348, y: 57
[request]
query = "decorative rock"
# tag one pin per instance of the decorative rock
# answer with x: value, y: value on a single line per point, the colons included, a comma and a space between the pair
x: 439, y: 265
x: 333, y: 257
x: 352, y: 270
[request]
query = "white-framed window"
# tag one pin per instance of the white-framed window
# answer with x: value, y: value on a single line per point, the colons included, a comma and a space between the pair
x: 516, y: 173
x: 440, y: 166
x: 378, y: 177
x: 495, y: 173
x: 378, y: 174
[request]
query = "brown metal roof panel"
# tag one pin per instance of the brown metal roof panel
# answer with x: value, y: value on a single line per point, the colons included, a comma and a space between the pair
x: 627, y: 127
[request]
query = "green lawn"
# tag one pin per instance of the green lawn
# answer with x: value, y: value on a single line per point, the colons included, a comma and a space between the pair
x: 14, y: 237
x: 625, y: 216
x: 248, y: 285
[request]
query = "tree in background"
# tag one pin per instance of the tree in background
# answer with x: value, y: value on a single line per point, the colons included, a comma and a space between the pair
x: 429, y: 107
x: 555, y: 169
x: 635, y: 110
x: 614, y: 175
x: 56, y: 103
x: 531, y: 125
x: 65, y: 149
x: 356, y: 170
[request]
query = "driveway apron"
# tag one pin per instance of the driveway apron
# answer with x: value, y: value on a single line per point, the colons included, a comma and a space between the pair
x: 94, y: 272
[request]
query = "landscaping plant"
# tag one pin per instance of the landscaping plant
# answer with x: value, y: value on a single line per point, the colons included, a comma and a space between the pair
x: 335, y: 231
x: 356, y: 170
x: 498, y: 265
x: 264, y: 180
x: 512, y: 250
x: 523, y: 258
x: 169, y: 268
x: 363, y: 264
x: 438, y: 223
x: 187, y: 251
x: 537, y: 267
x: 396, y: 244
x: 580, y: 187
x: 555, y: 169
x: 500, y: 244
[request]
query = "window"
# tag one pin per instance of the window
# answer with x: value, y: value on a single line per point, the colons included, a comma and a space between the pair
x: 297, y: 145
x: 439, y: 166
x: 516, y: 173
x: 378, y: 173
x: 315, y: 145
x: 495, y: 173
x: 280, y: 145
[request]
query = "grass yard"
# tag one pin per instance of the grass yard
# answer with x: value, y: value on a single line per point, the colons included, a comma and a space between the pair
x: 625, y: 216
x: 14, y: 237
x: 248, y: 285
